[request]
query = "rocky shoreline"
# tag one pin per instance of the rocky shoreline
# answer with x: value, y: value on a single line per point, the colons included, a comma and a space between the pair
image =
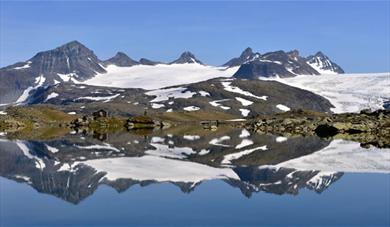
x: 367, y: 127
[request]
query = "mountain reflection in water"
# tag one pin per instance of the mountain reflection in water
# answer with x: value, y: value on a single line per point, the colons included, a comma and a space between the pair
x: 73, y: 167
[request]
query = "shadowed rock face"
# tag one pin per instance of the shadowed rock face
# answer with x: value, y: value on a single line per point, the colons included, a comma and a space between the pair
x: 73, y: 60
x: 62, y: 167
x: 121, y: 59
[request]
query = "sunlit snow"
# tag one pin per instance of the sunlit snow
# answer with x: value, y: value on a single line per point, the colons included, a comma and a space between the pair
x: 158, y: 76
x: 347, y: 92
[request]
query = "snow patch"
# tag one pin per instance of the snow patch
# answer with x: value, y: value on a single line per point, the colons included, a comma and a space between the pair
x: 26, y: 66
x: 191, y: 108
x: 51, y: 96
x: 228, y: 87
x: 244, y: 102
x: 283, y: 107
x: 105, y: 146
x: 216, y: 103
x: 218, y: 141
x: 157, y: 105
x: 227, y: 159
x: 244, y: 133
x: 244, y: 112
x: 51, y: 149
x: 191, y: 137
x: 204, y: 93
x: 165, y: 94
x: 280, y: 139
x: 102, y: 98
x: 39, y: 81
x: 244, y: 143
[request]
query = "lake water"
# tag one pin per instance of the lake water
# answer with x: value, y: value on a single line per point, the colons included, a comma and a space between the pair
x: 187, y: 176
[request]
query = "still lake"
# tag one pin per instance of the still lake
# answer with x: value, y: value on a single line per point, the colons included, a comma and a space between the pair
x: 228, y: 177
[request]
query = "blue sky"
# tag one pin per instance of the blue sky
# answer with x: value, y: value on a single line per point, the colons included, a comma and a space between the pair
x: 354, y: 34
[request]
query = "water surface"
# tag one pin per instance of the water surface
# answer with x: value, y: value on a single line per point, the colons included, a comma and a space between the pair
x: 192, y: 177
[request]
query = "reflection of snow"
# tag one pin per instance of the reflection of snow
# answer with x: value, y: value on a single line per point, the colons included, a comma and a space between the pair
x: 218, y: 141
x: 230, y: 157
x: 39, y: 163
x: 158, y: 169
x: 343, y: 156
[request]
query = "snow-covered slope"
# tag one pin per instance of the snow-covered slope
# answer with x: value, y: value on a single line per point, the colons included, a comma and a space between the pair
x: 158, y: 76
x: 343, y: 156
x: 347, y: 92
x: 322, y: 64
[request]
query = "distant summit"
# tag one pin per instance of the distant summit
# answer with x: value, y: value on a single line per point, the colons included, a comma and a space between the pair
x: 187, y: 57
x: 72, y: 57
x: 323, y: 64
x: 246, y: 56
x: 121, y: 59
x: 281, y: 64
x: 69, y: 62
x: 275, y: 64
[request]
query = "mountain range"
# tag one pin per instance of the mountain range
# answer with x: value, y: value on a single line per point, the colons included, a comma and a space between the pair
x: 75, y: 63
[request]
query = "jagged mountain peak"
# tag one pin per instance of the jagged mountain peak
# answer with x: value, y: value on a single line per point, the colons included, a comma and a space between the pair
x: 186, y: 57
x: 322, y: 64
x: 275, y: 64
x: 246, y: 56
x: 247, y: 52
x: 293, y: 53
x: 121, y: 59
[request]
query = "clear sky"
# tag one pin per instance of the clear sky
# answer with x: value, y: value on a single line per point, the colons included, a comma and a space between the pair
x: 355, y: 34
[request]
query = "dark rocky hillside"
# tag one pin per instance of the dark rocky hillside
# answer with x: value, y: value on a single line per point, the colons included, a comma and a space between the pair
x: 240, y: 98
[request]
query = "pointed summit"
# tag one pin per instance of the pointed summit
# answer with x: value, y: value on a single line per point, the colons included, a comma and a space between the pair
x: 69, y: 62
x: 246, y: 55
x: 72, y: 57
x: 187, y: 57
x: 247, y: 52
x: 73, y: 43
x: 121, y: 59
x: 322, y: 64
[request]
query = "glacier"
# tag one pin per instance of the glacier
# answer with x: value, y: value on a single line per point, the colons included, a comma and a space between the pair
x: 346, y: 92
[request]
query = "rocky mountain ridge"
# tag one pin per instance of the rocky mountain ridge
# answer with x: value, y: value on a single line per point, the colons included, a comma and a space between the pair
x: 75, y: 63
